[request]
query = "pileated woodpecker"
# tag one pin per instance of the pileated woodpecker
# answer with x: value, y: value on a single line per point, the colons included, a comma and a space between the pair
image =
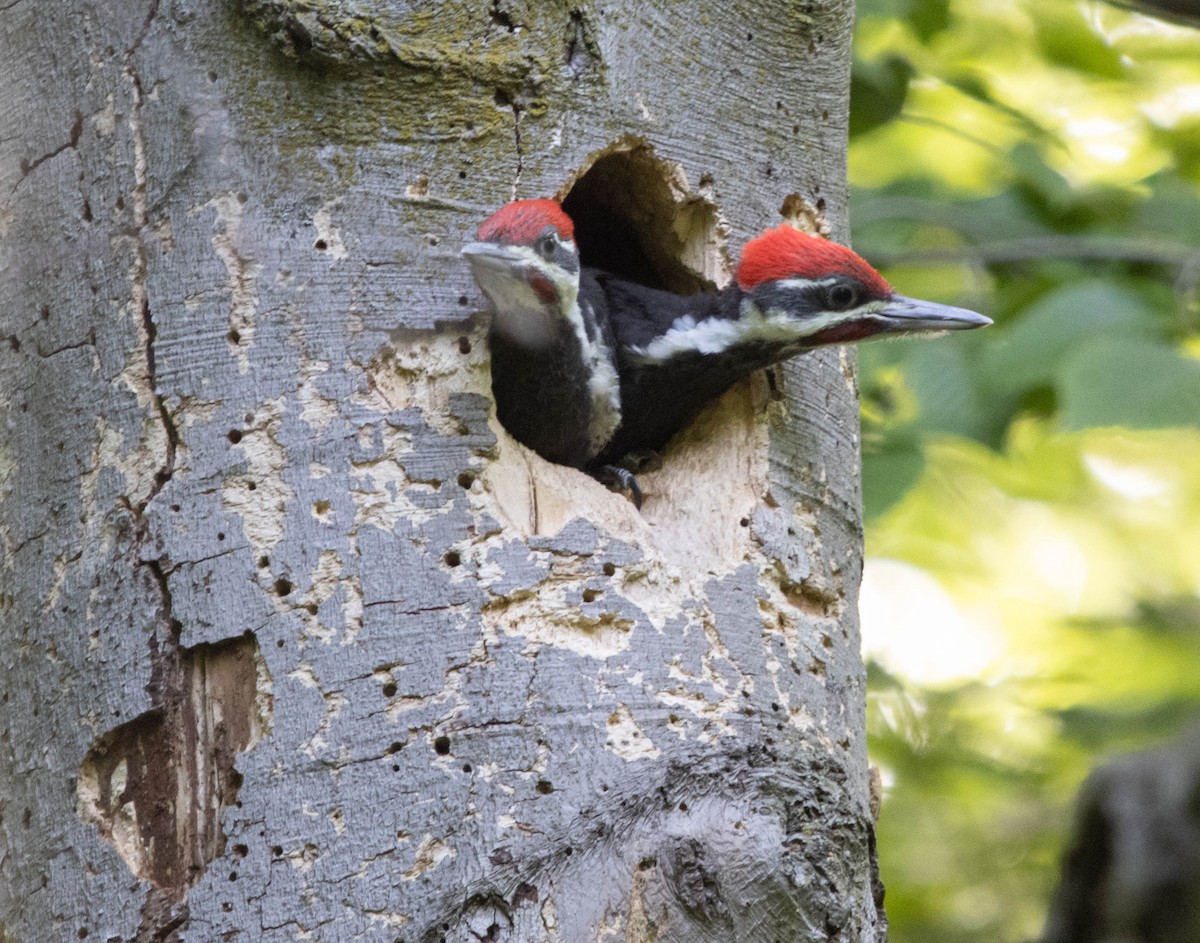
x: 588, y: 368
x: 554, y: 368
x: 792, y: 292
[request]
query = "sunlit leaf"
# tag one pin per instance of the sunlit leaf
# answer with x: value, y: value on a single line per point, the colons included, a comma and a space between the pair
x: 1066, y: 207
x: 975, y: 87
x: 1183, y: 141
x: 1066, y: 39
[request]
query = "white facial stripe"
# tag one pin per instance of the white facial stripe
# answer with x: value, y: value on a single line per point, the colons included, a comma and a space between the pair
x: 717, y: 335
x: 802, y: 283
x: 604, y: 385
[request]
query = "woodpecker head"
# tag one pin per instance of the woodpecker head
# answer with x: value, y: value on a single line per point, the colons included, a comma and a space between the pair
x: 827, y: 294
x: 526, y: 262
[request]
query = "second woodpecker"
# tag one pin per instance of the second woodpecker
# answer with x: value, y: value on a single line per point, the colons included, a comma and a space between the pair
x: 792, y: 292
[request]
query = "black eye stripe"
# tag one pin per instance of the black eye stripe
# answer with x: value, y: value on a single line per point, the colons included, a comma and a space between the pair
x: 805, y: 298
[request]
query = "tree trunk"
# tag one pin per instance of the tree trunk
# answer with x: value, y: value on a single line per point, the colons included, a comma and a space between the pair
x: 298, y: 643
x: 1131, y: 873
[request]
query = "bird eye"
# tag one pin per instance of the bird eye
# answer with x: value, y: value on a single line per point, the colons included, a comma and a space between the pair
x: 842, y: 297
x: 546, y: 245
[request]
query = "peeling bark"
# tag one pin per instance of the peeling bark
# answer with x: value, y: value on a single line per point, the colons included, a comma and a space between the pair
x: 158, y: 786
x: 299, y: 642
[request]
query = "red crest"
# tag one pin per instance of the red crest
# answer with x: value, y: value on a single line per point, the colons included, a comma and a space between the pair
x: 786, y: 252
x: 522, y: 222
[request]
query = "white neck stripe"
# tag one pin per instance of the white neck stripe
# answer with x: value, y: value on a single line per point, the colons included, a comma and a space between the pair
x: 718, y: 335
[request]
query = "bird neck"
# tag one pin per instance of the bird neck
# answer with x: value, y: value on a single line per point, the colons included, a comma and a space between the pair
x: 730, y: 321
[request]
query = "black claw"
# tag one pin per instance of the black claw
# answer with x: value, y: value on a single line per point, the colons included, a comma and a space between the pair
x: 616, y: 477
x: 627, y: 478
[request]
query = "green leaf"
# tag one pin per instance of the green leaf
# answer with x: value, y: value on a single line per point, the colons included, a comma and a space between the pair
x: 941, y: 377
x: 1102, y: 729
x: 928, y: 18
x: 1029, y: 352
x: 975, y: 87
x: 877, y: 92
x: 1066, y: 39
x: 890, y: 468
x: 1136, y: 383
x: 1174, y: 205
x: 1061, y: 205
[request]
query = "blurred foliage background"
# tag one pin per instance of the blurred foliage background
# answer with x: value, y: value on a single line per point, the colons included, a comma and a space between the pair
x: 1031, y: 602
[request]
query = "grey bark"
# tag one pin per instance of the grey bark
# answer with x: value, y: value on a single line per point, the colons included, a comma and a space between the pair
x: 297, y: 642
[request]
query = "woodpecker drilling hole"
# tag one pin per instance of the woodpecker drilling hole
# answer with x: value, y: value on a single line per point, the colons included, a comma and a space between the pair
x: 636, y: 217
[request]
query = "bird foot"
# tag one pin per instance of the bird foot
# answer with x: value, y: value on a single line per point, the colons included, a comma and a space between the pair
x: 617, y: 478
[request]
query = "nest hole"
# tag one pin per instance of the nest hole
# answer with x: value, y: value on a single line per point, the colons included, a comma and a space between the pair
x: 635, y: 218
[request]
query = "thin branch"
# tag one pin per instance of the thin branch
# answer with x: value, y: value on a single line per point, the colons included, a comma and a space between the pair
x: 1028, y: 248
